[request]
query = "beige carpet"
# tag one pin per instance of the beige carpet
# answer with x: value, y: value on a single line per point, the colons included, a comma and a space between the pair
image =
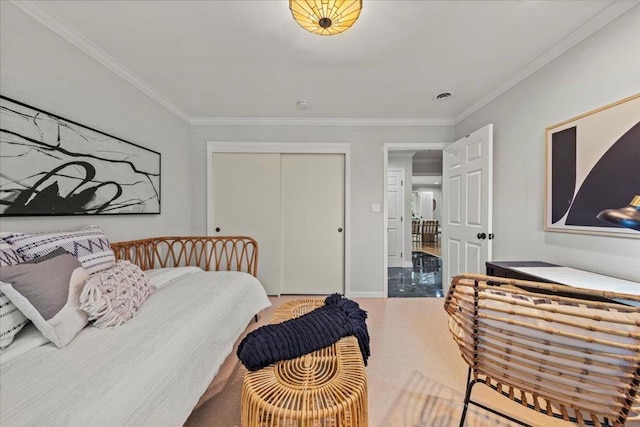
x: 416, y: 376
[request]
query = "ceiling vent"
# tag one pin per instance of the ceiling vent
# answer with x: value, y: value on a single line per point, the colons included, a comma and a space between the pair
x: 443, y: 95
x: 303, y: 105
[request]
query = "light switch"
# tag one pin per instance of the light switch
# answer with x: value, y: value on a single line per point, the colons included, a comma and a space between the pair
x: 375, y: 207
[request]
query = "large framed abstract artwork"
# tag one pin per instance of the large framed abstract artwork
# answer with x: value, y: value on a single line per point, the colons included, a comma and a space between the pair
x: 593, y: 164
x: 50, y: 165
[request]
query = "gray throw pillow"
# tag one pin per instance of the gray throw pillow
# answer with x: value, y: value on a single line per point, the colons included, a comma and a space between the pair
x: 47, y: 292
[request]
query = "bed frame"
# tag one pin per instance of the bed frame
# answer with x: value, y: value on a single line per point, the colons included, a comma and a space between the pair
x: 227, y: 253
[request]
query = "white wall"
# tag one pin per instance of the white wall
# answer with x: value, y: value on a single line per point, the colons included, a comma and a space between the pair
x: 600, y: 70
x: 41, y: 69
x: 404, y: 161
x: 367, y: 180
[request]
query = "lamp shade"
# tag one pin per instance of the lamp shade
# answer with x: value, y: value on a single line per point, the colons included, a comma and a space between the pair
x: 628, y: 216
x: 325, y: 17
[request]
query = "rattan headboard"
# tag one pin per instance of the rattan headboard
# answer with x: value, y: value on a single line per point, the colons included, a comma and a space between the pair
x: 232, y: 253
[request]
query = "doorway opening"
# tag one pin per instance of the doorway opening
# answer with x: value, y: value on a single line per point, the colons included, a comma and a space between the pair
x: 420, y: 272
x: 423, y: 279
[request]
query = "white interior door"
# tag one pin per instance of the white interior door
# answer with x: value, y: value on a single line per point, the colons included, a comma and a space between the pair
x: 246, y: 201
x: 312, y: 223
x: 467, y: 199
x: 426, y: 205
x: 395, y: 217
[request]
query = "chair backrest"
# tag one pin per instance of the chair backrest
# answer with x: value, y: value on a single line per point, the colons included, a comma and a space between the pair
x: 416, y: 226
x: 567, y: 352
x: 430, y: 227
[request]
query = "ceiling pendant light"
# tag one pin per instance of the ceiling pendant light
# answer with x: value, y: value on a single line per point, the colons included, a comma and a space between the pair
x: 325, y: 17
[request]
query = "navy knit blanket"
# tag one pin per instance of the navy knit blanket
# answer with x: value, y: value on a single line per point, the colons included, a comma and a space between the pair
x: 320, y: 328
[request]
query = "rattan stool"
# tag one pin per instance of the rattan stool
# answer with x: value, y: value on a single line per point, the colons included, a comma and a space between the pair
x: 325, y: 388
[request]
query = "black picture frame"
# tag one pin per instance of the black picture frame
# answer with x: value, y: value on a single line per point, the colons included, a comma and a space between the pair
x: 50, y: 165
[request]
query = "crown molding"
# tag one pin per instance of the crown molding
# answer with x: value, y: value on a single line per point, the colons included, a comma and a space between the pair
x: 588, y: 28
x: 303, y: 121
x: 55, y: 24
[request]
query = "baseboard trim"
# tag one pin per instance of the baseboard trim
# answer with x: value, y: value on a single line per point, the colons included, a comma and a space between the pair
x: 366, y: 295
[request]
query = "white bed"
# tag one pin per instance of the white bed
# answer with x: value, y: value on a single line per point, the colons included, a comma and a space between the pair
x: 150, y: 371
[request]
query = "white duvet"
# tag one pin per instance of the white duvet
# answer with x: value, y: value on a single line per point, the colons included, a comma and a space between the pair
x: 150, y: 371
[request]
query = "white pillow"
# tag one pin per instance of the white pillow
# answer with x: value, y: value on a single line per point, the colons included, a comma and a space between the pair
x: 11, y: 319
x: 89, y: 245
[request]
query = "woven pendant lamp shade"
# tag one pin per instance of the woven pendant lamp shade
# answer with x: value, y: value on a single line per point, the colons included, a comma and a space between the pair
x: 325, y: 17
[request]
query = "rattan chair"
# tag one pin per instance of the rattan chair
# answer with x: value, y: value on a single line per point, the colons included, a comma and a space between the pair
x: 570, y: 353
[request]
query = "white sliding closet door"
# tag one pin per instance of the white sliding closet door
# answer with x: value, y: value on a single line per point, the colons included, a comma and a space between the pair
x: 312, y: 223
x: 293, y: 205
x: 246, y: 201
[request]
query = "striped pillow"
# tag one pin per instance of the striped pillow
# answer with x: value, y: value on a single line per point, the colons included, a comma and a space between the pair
x: 89, y: 245
x: 11, y: 319
x: 8, y: 254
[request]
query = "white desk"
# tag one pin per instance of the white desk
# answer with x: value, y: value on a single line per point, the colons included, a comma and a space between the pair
x: 583, y: 279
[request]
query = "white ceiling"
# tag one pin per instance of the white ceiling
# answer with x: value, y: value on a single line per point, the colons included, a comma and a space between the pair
x: 247, y: 59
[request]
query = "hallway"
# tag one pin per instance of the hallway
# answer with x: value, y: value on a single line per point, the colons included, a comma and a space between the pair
x: 424, y: 279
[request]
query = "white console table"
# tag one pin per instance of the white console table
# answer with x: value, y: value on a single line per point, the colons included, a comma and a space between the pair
x: 582, y: 279
x: 534, y: 270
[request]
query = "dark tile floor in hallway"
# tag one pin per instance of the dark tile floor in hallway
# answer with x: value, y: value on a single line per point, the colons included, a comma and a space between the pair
x: 424, y: 279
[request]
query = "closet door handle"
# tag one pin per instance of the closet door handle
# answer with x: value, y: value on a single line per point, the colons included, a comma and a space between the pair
x: 217, y: 229
x: 340, y: 230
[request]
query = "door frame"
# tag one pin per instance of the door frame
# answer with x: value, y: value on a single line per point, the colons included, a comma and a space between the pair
x: 288, y: 148
x: 403, y: 214
x: 395, y: 146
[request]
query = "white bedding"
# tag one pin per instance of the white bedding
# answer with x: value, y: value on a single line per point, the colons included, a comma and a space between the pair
x: 150, y: 371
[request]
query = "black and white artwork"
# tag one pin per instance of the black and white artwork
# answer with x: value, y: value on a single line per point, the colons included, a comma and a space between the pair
x: 592, y: 165
x: 53, y: 166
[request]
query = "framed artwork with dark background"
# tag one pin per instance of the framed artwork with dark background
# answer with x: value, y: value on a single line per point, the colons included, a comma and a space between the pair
x: 50, y: 165
x: 593, y: 164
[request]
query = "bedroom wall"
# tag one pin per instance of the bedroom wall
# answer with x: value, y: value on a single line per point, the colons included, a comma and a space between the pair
x: 42, y: 69
x: 600, y: 70
x: 366, y: 180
